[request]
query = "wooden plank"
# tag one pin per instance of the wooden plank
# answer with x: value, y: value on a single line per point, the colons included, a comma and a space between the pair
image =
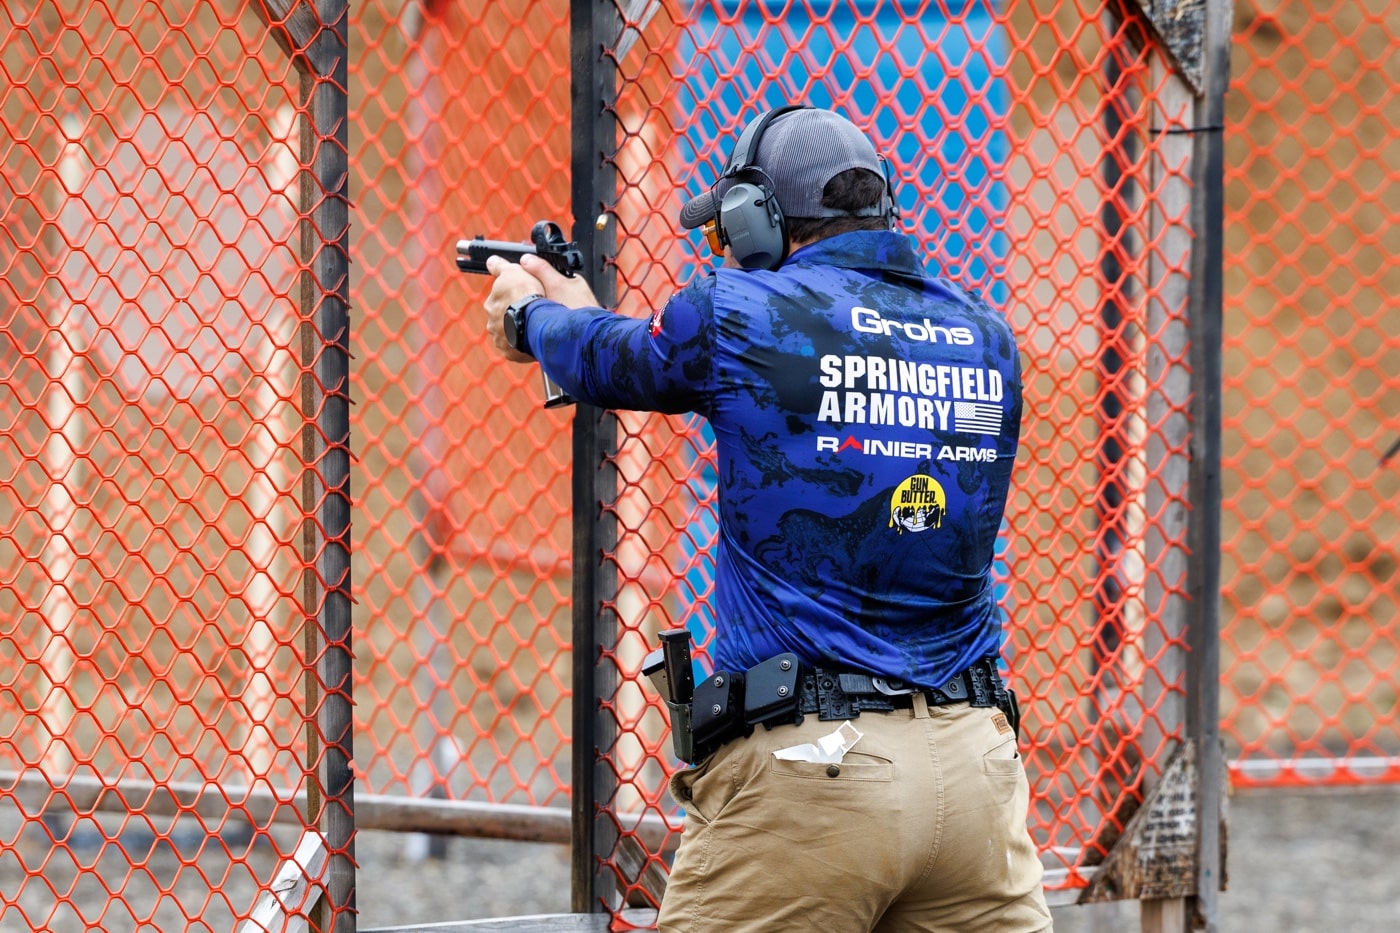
x: 1180, y: 27
x: 1156, y: 857
x: 1164, y: 916
x: 633, y: 858
x: 284, y: 906
x: 292, y: 23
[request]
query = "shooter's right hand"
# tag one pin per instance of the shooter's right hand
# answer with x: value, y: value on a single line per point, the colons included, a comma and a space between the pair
x: 512, y: 283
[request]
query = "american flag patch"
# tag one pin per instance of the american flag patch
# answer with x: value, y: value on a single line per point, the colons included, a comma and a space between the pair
x: 976, y: 418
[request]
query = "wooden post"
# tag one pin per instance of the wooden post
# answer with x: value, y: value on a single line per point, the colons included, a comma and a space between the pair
x: 330, y: 272
x: 1170, y: 856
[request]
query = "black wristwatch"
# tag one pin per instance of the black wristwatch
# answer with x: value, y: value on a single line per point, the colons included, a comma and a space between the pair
x: 513, y: 322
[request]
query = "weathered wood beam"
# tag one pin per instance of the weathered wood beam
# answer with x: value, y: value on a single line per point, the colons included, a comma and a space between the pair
x: 1180, y: 27
x: 293, y: 24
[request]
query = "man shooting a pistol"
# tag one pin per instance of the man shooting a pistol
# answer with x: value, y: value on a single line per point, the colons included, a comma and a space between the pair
x: 866, y: 418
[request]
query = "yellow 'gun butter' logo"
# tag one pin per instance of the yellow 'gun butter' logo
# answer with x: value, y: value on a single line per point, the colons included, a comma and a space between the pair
x: 918, y: 504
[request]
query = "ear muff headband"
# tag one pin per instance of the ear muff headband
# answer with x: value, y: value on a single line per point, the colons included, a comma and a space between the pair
x: 749, y: 219
x: 746, y: 149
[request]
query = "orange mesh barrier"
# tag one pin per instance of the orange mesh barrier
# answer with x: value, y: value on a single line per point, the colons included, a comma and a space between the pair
x: 1311, y: 639
x: 1041, y: 158
x: 163, y: 458
x: 465, y: 518
x: 159, y: 553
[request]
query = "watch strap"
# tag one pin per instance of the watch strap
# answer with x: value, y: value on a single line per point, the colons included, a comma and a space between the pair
x: 515, y: 323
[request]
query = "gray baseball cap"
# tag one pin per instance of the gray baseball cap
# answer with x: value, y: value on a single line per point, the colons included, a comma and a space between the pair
x: 800, y: 151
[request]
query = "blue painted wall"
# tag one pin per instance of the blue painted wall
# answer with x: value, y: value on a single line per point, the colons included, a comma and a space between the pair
x: 929, y: 88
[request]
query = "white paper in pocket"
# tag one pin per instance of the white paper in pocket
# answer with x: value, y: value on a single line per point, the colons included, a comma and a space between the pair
x: 829, y: 749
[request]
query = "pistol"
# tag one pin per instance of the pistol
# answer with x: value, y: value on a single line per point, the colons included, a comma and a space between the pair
x: 546, y: 241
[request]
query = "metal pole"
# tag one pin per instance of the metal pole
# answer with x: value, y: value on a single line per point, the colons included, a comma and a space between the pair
x: 1207, y: 298
x: 330, y: 274
x: 595, y: 25
x: 315, y: 35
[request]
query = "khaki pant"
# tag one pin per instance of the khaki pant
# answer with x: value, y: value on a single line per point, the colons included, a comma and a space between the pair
x: 921, y: 827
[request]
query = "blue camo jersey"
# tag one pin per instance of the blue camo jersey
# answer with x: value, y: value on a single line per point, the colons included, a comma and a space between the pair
x: 866, y: 418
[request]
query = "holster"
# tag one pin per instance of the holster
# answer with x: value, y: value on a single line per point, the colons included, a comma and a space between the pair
x: 717, y: 711
x: 770, y: 691
x: 1007, y: 703
x: 682, y: 742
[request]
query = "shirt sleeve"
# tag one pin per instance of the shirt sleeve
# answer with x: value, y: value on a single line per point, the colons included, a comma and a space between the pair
x: 610, y: 360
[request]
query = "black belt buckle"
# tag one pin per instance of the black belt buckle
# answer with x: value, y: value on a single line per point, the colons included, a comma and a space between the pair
x: 892, y: 686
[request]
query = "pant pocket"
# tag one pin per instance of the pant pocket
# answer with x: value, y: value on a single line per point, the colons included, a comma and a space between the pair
x: 682, y: 786
x: 1004, y: 771
x: 1002, y: 758
x: 853, y: 767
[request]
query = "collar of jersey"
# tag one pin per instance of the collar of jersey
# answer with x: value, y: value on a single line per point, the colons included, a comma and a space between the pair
x: 863, y: 249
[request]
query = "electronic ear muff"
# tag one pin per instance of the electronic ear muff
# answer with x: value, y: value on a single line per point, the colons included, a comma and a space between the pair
x: 749, y: 220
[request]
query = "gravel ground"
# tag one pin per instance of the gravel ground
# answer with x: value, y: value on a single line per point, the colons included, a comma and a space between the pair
x: 1298, y: 863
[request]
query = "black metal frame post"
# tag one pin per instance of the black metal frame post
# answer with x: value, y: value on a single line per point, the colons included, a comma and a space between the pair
x: 315, y: 34
x: 595, y: 24
x: 1207, y: 300
x: 330, y: 272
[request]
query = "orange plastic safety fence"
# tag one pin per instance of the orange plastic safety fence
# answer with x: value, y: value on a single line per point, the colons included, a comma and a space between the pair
x: 1039, y: 159
x: 153, y: 504
x: 1311, y: 640
x: 156, y: 576
x: 464, y: 516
